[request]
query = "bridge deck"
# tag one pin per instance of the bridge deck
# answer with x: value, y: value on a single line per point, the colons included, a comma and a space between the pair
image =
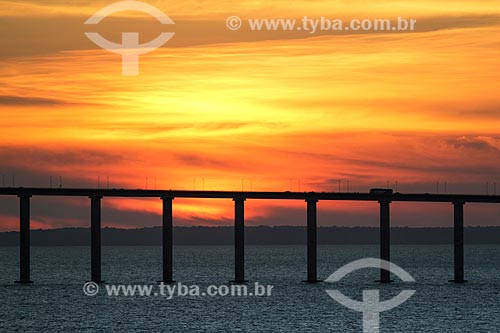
x: 348, y: 196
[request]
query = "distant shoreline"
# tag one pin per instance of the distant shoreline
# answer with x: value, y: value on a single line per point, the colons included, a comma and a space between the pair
x: 258, y: 235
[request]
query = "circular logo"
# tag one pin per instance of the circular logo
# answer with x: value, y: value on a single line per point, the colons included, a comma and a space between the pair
x: 371, y: 306
x: 90, y: 289
x: 233, y: 23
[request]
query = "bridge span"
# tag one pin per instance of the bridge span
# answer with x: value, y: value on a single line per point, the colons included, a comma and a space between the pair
x: 167, y: 196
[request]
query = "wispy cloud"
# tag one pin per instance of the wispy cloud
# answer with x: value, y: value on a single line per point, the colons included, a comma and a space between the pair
x: 27, y: 101
x: 218, y: 109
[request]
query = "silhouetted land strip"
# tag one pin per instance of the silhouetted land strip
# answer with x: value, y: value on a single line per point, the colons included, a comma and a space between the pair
x: 261, y: 235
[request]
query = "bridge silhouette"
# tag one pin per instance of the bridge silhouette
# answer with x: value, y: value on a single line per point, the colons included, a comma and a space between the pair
x: 167, y: 196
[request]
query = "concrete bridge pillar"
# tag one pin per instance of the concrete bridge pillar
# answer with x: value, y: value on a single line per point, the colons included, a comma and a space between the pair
x: 312, y: 244
x: 458, y: 228
x: 167, y: 248
x: 239, y: 240
x: 95, y: 238
x: 385, y: 239
x: 24, y: 239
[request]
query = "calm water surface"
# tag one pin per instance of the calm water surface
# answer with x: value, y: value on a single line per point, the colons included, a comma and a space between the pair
x: 56, y: 303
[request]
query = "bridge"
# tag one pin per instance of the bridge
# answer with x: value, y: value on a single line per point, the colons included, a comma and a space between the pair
x: 167, y: 196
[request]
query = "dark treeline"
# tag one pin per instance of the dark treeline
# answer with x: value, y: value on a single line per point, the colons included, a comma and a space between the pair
x: 260, y: 235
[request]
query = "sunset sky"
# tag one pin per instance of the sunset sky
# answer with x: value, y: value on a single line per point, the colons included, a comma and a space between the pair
x: 217, y: 109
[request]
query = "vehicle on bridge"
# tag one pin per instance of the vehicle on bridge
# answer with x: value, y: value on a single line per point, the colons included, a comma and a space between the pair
x: 381, y: 191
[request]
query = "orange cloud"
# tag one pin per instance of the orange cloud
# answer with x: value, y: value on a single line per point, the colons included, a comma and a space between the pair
x: 281, y: 113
